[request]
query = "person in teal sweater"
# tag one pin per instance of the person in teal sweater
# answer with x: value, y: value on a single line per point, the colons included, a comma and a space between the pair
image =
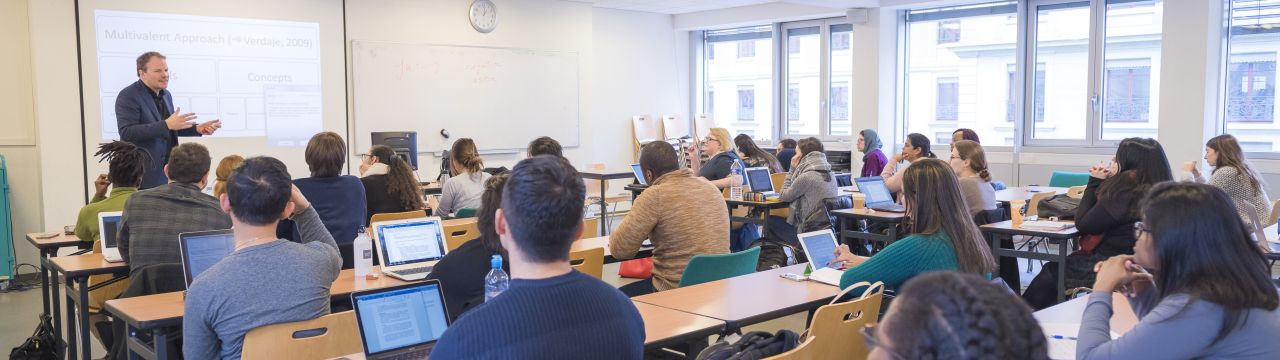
x: 944, y: 237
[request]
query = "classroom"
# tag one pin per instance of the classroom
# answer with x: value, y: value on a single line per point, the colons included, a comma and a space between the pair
x: 639, y: 179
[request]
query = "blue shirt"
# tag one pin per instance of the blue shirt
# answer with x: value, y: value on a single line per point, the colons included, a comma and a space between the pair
x: 571, y: 316
x: 340, y: 202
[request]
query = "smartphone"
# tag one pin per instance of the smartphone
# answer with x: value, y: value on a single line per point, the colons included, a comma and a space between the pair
x: 793, y: 277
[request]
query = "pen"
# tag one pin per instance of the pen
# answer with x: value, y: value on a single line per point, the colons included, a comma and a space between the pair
x: 1060, y: 337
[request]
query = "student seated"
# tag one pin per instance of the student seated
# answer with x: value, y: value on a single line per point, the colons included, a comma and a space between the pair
x: 389, y: 183
x: 969, y: 163
x: 873, y: 160
x: 461, y: 272
x: 915, y: 147
x: 332, y: 194
x: 265, y: 280
x: 754, y: 156
x: 1233, y: 174
x: 947, y: 315
x: 681, y: 214
x: 544, y: 146
x: 719, y: 148
x: 1109, y: 207
x: 463, y: 188
x: 1196, y: 281
x: 807, y: 186
x: 964, y: 134
x: 126, y: 164
x: 943, y: 236
x: 786, y: 150
x: 550, y: 310
x: 154, y: 217
x: 225, y: 166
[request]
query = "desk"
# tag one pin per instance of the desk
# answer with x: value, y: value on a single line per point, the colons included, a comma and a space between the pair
x: 762, y: 221
x: 430, y: 188
x: 1071, y: 312
x: 848, y: 219
x: 747, y: 299
x: 48, y: 248
x: 1025, y: 193
x: 76, y: 270
x: 158, y: 312
x: 1006, y: 228
x: 603, y: 242
x: 604, y: 177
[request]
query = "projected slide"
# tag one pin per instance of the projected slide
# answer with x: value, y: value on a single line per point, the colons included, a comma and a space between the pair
x: 261, y: 78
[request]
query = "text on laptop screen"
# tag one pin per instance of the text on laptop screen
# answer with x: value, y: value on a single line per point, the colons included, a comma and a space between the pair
x: 821, y: 248
x: 204, y: 251
x: 635, y: 168
x: 759, y: 179
x: 395, y: 319
x: 875, y: 190
x: 411, y: 242
x: 110, y: 225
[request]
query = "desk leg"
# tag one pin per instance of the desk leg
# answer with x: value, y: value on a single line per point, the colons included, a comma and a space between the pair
x: 161, y: 341
x: 56, y: 296
x: 695, y: 348
x: 604, y: 210
x: 83, y: 316
x: 71, y: 326
x: 1062, y: 269
x: 764, y: 225
x: 44, y: 278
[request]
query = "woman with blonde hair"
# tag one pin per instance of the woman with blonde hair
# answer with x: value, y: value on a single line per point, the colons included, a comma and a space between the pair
x: 229, y: 163
x: 720, y: 146
x: 969, y: 163
x: 1232, y: 173
x: 465, y: 185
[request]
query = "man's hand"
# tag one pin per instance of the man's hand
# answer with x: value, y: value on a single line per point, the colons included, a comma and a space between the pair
x: 101, y: 185
x: 179, y: 120
x: 299, y: 201
x: 208, y: 127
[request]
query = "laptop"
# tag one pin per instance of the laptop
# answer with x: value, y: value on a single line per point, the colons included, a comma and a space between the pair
x: 760, y: 181
x: 201, y: 249
x: 820, y: 248
x: 409, y: 248
x: 635, y: 168
x: 878, y: 195
x: 400, y: 322
x: 109, y: 227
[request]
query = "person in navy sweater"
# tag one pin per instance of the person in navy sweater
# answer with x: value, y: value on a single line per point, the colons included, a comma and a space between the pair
x: 338, y: 199
x: 550, y: 310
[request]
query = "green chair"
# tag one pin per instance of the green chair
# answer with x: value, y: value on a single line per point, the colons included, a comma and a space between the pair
x: 708, y: 268
x: 465, y: 213
x: 1066, y: 179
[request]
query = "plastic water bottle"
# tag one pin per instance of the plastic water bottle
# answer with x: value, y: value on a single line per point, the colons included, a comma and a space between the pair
x: 362, y: 251
x: 496, y: 282
x: 735, y: 187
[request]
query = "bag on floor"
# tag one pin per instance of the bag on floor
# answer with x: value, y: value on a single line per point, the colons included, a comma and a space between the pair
x: 42, y: 345
x: 775, y: 254
x: 752, y: 345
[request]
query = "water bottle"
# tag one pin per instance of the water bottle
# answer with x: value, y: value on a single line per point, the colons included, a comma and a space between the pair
x: 735, y: 186
x: 496, y: 282
x: 362, y: 251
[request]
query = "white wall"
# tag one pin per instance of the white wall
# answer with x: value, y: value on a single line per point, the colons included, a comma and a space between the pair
x: 18, y: 135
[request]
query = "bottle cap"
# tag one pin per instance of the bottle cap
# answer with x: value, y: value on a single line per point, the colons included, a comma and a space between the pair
x: 495, y: 262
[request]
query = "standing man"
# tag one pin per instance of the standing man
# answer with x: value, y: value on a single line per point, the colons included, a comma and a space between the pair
x: 145, y: 116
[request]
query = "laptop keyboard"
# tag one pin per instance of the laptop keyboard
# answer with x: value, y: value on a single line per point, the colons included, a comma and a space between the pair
x: 418, y: 354
x: 414, y: 271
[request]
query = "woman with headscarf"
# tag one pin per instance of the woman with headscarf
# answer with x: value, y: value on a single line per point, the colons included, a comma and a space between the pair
x: 873, y: 160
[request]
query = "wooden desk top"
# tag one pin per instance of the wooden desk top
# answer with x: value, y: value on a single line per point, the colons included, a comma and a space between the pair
x: 1006, y: 227
x: 760, y: 204
x: 85, y: 265
x: 870, y: 214
x: 606, y: 174
x: 1070, y: 312
x: 1026, y: 192
x: 739, y: 299
x: 54, y: 242
x: 158, y: 310
x: 603, y: 242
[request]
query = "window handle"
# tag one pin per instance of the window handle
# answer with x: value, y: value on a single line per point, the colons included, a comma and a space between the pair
x: 1095, y: 104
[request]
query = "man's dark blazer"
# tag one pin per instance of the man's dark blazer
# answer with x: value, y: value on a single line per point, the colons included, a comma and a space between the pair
x: 141, y: 123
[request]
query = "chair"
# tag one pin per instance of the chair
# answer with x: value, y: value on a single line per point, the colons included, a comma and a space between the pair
x: 457, y: 234
x: 836, y: 328
x: 702, y: 125
x: 777, y: 179
x: 1033, y: 205
x: 590, y: 228
x: 1076, y: 191
x: 708, y: 268
x: 396, y: 216
x: 1068, y: 179
x: 803, y: 351
x: 1275, y: 213
x: 324, y: 337
x: 593, y: 190
x: 589, y: 261
x: 644, y: 130
x: 465, y: 213
x: 673, y: 128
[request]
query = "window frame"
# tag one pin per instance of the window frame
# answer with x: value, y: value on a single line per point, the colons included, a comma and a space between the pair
x: 1224, y: 81
x: 824, y: 77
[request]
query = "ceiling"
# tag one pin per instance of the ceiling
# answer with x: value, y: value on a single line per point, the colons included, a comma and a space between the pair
x: 688, y: 6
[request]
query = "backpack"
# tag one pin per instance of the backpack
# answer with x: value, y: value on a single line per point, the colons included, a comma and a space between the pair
x: 42, y: 345
x: 752, y: 345
x: 775, y: 254
x: 1061, y: 206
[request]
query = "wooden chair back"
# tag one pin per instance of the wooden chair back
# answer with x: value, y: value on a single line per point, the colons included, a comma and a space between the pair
x: 1033, y: 205
x: 590, y: 228
x: 777, y: 179
x: 1076, y: 191
x: 457, y: 234
x: 397, y: 216
x: 803, y: 351
x: 836, y: 328
x: 589, y: 261
x: 324, y: 337
x: 673, y: 127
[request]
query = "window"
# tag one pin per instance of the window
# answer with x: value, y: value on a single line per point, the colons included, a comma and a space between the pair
x: 1129, y: 89
x: 1013, y: 112
x: 948, y: 107
x: 1249, y: 75
x: 793, y: 102
x: 840, y: 104
x: 746, y: 103
x: 803, y: 67
x: 746, y: 49
x: 739, y: 80
x: 841, y: 75
x: 937, y: 71
x: 818, y: 57
x: 840, y: 40
x: 1128, y: 94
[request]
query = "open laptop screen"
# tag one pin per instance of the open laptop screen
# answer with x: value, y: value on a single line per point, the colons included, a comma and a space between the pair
x: 820, y: 246
x: 108, y: 226
x: 635, y: 168
x: 200, y: 250
x: 759, y: 179
x: 411, y: 242
x: 875, y: 190
x: 402, y: 317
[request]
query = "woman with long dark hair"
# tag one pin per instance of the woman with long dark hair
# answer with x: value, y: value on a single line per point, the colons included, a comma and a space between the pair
x: 389, y: 183
x: 1232, y: 173
x: 465, y: 185
x: 916, y: 147
x: 1196, y: 280
x: 461, y: 272
x: 754, y: 156
x: 943, y: 235
x: 1108, y: 208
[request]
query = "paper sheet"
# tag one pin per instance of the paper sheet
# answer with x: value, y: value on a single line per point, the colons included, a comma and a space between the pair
x: 1062, y: 339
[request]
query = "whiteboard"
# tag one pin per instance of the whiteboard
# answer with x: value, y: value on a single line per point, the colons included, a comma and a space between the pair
x: 501, y: 97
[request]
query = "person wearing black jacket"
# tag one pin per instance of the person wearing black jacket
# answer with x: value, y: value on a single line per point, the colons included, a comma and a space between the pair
x: 461, y: 272
x: 1109, y: 208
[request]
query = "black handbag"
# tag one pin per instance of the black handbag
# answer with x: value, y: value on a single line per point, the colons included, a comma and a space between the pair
x: 42, y: 345
x: 1060, y: 206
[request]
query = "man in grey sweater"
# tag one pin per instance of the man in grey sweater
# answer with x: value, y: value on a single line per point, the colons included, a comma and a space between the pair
x: 265, y: 280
